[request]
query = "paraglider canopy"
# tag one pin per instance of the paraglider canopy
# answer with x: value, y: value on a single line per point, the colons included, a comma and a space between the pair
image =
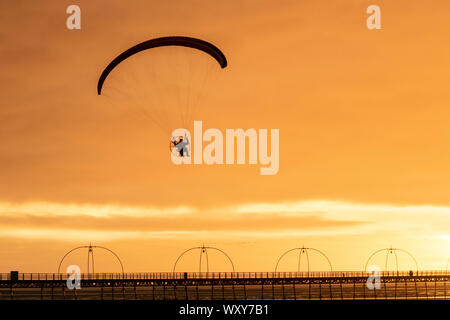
x: 194, y: 43
x: 165, y: 80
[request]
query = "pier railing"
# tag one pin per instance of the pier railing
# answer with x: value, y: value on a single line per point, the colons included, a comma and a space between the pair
x: 221, y: 275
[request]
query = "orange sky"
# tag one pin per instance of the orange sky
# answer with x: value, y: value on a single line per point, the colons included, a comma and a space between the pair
x: 363, y: 118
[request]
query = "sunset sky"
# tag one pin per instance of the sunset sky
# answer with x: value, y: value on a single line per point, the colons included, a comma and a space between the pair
x: 364, y: 136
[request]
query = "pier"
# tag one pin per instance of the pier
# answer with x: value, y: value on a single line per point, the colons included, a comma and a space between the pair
x: 330, y: 285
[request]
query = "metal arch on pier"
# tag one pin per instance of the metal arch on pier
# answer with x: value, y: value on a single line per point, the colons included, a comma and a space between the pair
x: 203, y: 249
x: 392, y: 251
x: 90, y: 251
x: 304, y: 250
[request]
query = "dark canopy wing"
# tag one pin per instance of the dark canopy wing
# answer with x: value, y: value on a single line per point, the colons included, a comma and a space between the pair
x: 194, y: 43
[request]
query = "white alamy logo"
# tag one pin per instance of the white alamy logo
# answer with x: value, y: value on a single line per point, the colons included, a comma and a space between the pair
x: 213, y: 152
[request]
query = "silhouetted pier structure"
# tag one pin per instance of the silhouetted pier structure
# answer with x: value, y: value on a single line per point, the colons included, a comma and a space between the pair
x: 336, y: 285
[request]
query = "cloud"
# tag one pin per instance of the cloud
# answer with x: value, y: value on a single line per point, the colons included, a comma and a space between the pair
x: 186, y: 222
x: 302, y: 218
x: 92, y: 210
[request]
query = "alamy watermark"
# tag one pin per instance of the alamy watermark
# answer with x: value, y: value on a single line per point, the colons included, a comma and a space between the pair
x: 217, y: 151
x: 374, y: 280
x: 374, y: 20
x: 74, y: 280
